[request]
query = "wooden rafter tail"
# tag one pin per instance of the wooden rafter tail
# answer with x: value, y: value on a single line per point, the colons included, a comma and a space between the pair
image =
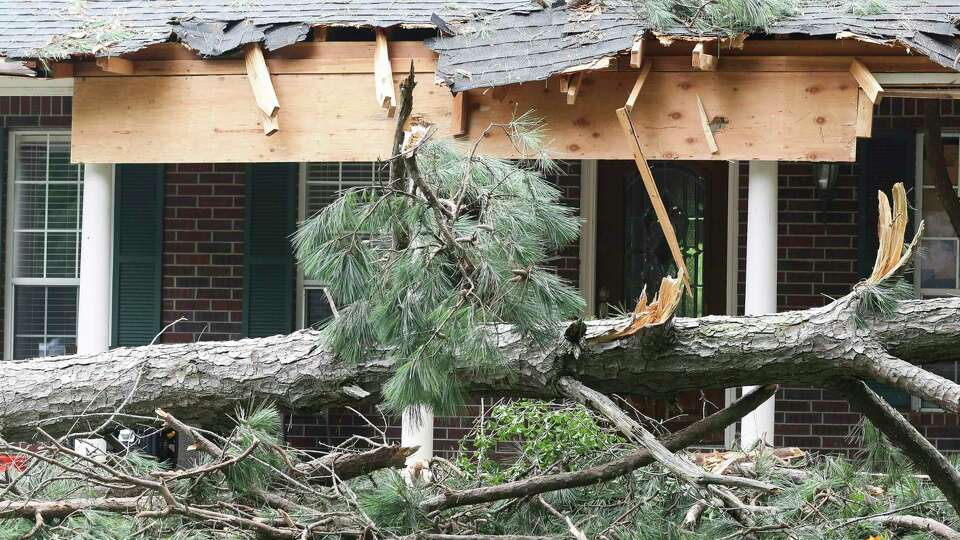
x: 383, y: 74
x: 564, y: 83
x: 271, y: 124
x: 705, y: 123
x: 636, y: 53
x: 626, y: 123
x: 262, y: 86
x: 701, y: 60
x: 868, y: 83
x: 573, y: 88
x: 892, y: 229
x: 637, y: 86
x: 115, y: 64
x: 459, y: 119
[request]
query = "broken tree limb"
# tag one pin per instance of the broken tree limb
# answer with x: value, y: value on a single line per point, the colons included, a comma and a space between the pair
x: 633, y: 431
x: 200, y: 381
x: 916, y: 524
x: 347, y: 465
x: 906, y: 437
x: 612, y: 469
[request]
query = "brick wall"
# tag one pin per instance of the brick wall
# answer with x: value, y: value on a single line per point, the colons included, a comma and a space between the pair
x: 203, y: 251
x: 25, y: 112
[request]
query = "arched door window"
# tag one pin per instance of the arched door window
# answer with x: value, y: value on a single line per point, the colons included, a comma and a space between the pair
x: 647, y: 257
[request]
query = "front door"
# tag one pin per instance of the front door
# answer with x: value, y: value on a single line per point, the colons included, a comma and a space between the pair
x: 632, y: 253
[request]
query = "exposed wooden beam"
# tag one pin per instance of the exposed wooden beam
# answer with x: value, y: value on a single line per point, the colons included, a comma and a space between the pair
x: 864, y: 115
x: 564, y: 83
x: 459, y: 119
x: 636, y: 53
x: 866, y: 80
x: 701, y: 60
x: 319, y: 33
x: 637, y: 86
x: 705, y: 124
x: 115, y: 64
x: 61, y: 70
x: 383, y: 74
x: 262, y: 86
x: 646, y: 175
x: 573, y: 87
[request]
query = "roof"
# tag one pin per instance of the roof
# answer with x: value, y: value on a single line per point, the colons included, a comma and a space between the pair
x: 502, y: 42
x: 533, y: 46
x: 33, y: 28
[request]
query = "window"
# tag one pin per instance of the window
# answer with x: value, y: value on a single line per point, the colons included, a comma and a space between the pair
x: 320, y: 184
x: 937, y: 265
x: 43, y: 264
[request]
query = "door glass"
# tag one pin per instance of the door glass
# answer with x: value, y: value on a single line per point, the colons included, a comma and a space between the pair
x: 647, y: 257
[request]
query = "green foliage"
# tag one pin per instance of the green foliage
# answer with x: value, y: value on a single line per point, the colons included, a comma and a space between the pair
x: 881, y: 299
x: 402, y: 288
x: 392, y: 504
x: 261, y: 423
x: 863, y: 8
x: 729, y: 17
x: 541, y: 434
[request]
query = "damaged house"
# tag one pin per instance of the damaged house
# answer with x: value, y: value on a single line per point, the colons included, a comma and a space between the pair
x: 158, y: 154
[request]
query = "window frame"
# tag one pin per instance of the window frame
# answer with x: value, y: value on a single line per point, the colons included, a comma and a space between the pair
x: 916, y: 404
x: 10, y: 280
x: 303, y: 285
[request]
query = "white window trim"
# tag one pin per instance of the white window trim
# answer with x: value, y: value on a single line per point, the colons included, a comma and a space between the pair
x: 916, y: 404
x: 10, y: 281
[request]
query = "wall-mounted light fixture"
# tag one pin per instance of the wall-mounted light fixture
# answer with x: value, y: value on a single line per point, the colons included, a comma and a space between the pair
x: 826, y: 176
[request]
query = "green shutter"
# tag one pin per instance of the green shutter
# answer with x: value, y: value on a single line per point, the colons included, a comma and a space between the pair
x: 268, y: 271
x: 886, y: 158
x: 137, y: 254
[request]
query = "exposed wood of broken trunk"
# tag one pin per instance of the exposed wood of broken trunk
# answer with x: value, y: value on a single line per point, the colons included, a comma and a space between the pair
x: 204, y: 380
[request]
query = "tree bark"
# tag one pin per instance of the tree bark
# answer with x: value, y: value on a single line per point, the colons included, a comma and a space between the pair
x: 201, y: 381
x: 937, y: 165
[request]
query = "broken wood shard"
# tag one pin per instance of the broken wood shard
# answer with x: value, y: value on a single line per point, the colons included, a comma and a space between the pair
x: 864, y: 115
x: 459, y: 120
x: 868, y: 83
x: 573, y: 88
x: 262, y: 86
x: 383, y: 74
x: 701, y: 60
x: 891, y: 229
x: 705, y: 123
x: 636, y: 53
x: 626, y: 123
x: 655, y: 313
x: 637, y: 86
x: 114, y: 64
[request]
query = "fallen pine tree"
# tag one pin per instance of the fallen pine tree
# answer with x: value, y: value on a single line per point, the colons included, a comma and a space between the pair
x: 440, y: 273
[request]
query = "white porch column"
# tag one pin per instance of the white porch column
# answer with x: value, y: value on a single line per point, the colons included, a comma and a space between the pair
x: 417, y: 430
x: 761, y: 280
x: 93, y: 317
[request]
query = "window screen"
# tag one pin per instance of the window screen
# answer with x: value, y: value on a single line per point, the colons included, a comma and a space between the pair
x: 47, y: 192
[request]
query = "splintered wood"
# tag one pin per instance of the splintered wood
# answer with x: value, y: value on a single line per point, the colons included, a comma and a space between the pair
x: 263, y: 92
x: 892, y: 229
x: 383, y: 74
x: 655, y: 313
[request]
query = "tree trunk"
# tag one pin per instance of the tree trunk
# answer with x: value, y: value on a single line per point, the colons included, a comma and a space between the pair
x: 201, y: 381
